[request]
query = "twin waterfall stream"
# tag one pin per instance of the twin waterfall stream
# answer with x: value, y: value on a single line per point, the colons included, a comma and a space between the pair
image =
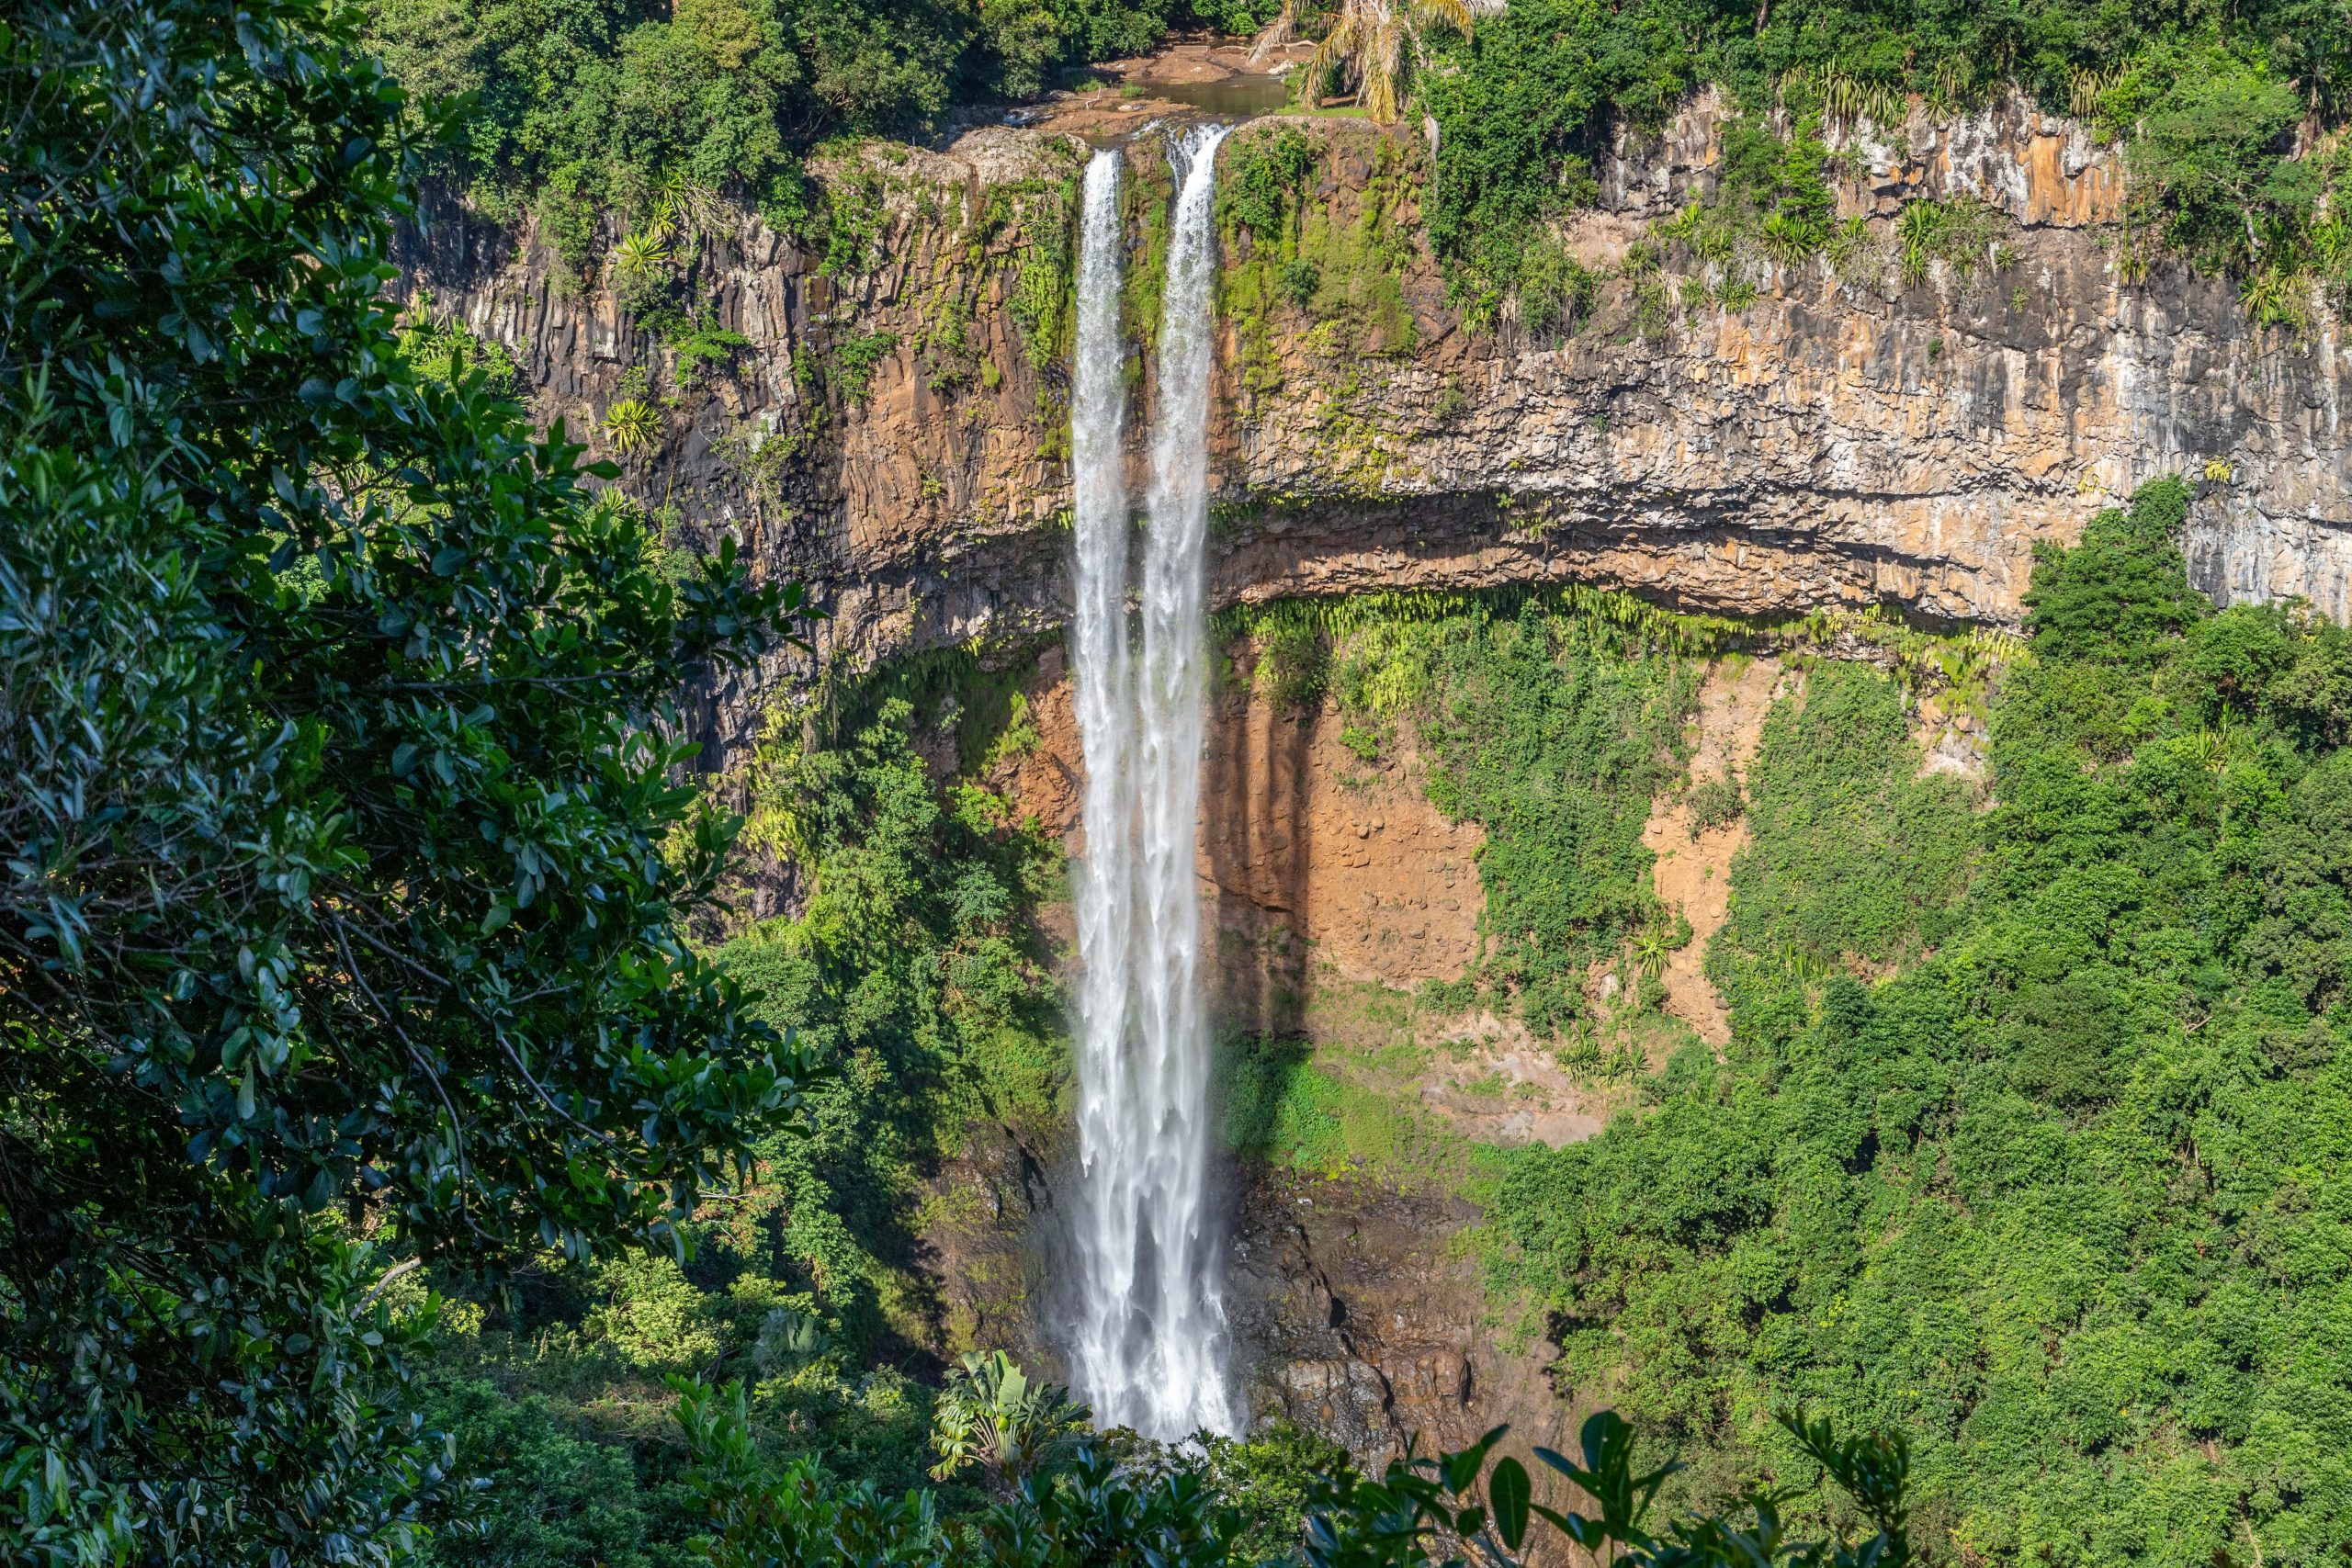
x: 1148, y: 1347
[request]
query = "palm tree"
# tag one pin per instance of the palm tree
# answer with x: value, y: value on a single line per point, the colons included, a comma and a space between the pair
x: 1373, y: 46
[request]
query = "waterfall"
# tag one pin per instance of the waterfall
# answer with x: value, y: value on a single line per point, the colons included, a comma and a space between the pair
x: 1148, y: 1350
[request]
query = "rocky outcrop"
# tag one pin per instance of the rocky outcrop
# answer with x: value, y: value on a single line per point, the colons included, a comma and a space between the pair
x: 1360, y: 1323
x: 891, y: 426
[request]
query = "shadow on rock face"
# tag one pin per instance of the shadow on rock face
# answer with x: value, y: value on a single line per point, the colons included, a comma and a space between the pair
x: 1356, y: 1319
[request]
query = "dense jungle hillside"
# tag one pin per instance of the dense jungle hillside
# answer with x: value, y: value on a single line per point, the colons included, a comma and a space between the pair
x: 520, y: 1046
x: 585, y: 112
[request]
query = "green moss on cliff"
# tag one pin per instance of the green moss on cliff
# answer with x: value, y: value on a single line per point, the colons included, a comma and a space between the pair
x: 1309, y: 260
x: 1144, y: 197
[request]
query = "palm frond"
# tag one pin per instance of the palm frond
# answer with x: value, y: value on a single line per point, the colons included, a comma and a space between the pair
x: 1283, y: 30
x: 1333, y: 55
x: 1384, y: 71
x: 644, y: 251
x: 1373, y: 46
x: 1461, y: 16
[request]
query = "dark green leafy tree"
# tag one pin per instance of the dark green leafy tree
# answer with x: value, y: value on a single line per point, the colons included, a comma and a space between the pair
x: 2209, y: 133
x: 551, y: 1494
x: 2121, y: 595
x: 343, y: 854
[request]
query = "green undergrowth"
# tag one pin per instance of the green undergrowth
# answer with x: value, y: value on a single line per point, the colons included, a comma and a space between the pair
x: 1342, y: 1097
x: 913, y: 964
x: 1322, y: 1113
x: 1550, y: 722
x: 442, y: 348
x: 1857, y: 859
x: 560, y: 1401
x: 1553, y: 742
x: 2029, y: 1138
x: 912, y: 960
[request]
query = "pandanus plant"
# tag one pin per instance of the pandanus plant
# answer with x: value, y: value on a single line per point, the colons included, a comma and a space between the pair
x: 632, y: 425
x: 1375, y: 47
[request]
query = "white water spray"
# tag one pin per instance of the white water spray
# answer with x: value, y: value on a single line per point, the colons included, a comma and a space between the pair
x: 1149, y: 1346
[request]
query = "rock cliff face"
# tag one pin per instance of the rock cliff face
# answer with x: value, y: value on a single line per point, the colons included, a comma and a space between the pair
x: 892, y: 427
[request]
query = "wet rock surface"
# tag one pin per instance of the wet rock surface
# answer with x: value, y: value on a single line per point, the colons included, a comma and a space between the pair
x: 1356, y: 1317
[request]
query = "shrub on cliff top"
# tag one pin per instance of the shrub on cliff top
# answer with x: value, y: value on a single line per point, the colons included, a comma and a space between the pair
x: 1263, y: 180
x: 584, y: 108
x: 1527, y: 107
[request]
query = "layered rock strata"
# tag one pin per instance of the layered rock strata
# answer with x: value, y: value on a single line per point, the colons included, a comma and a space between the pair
x: 891, y: 427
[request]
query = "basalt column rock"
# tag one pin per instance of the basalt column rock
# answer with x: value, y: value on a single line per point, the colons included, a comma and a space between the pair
x: 893, y: 428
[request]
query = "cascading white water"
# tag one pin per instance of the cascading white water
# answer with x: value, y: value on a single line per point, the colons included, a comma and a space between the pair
x: 1148, y: 1351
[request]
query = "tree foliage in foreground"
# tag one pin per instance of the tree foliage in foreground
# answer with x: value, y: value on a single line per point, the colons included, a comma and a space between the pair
x: 334, y: 794
x: 1063, y: 1504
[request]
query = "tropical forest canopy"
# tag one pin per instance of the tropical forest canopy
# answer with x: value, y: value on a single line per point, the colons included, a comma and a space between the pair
x: 2030, y: 1136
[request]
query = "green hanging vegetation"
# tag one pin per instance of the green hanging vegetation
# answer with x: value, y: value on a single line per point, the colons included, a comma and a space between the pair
x: 1552, y: 736
x: 1336, y: 264
x: 1554, y: 718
